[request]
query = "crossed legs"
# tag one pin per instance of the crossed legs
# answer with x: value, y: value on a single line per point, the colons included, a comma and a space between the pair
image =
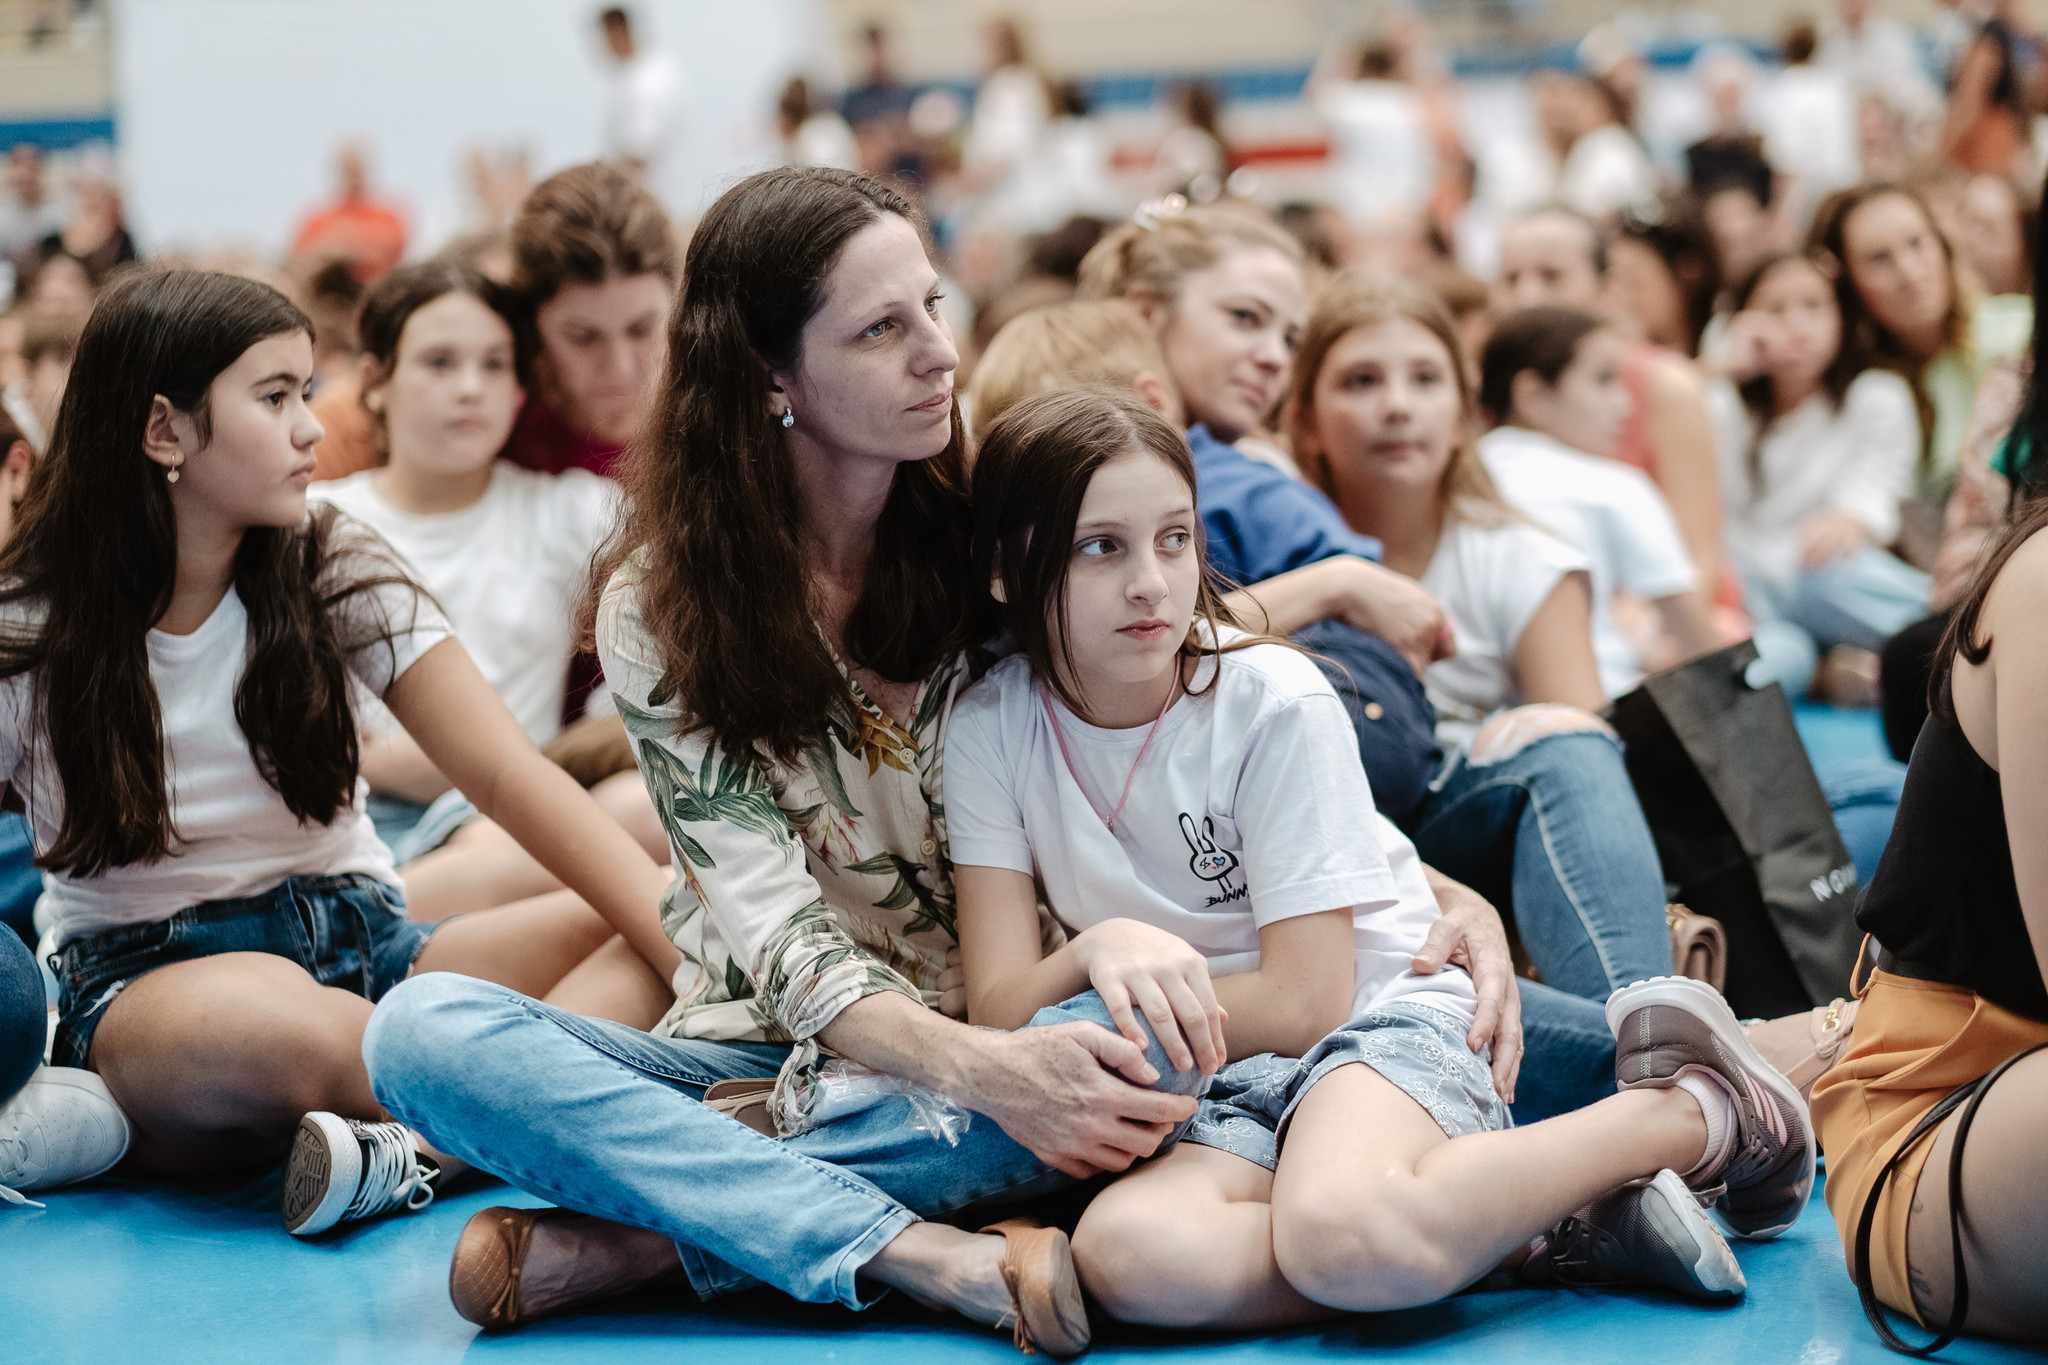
x: 1372, y: 1208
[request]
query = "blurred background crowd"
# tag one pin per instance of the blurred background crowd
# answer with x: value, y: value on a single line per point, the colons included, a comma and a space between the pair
x: 1685, y: 145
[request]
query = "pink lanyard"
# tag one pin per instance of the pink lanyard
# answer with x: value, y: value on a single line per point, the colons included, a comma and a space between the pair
x: 1059, y: 733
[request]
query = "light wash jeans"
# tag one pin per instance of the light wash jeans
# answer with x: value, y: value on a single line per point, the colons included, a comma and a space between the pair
x: 1554, y: 836
x: 606, y: 1119
x: 1862, y: 601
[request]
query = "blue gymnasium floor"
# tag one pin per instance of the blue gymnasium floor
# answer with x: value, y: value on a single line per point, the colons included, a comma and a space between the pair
x: 117, y: 1271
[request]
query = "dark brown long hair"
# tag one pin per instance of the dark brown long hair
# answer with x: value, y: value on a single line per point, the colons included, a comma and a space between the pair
x: 1030, y: 475
x: 715, y: 515
x: 95, y: 560
x: 1961, y: 636
x: 1860, y: 327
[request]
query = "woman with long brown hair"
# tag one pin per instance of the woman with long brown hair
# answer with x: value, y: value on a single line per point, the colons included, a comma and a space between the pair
x: 179, y: 643
x: 1905, y: 305
x: 786, y: 631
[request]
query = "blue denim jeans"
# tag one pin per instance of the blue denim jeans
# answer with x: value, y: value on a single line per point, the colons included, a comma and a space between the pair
x: 23, y: 1010
x: 1862, y: 601
x: 1554, y: 836
x: 605, y: 1119
x: 347, y: 930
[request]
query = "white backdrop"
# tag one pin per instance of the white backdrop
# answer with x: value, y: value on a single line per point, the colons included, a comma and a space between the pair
x: 229, y: 110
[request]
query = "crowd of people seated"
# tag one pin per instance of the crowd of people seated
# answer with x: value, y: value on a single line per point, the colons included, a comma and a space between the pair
x: 1096, y: 798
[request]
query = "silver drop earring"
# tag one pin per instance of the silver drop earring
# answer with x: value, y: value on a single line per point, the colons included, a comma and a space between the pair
x: 788, y: 418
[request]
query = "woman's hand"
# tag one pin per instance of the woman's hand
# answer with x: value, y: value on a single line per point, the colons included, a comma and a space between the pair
x: 1469, y: 934
x: 1830, y: 537
x: 1378, y: 601
x: 1135, y: 965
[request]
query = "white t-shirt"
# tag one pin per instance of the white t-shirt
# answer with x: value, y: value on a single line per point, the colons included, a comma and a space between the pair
x: 1608, y: 511
x: 1381, y: 158
x: 1251, y: 807
x: 236, y: 836
x: 1858, y: 458
x: 1491, y: 580
x: 1606, y: 171
x: 509, y: 570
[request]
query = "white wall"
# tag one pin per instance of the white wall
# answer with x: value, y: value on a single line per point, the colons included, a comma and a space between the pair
x: 229, y: 110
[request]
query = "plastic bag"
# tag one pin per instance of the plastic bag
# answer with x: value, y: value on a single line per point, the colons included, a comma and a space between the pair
x: 837, y: 1087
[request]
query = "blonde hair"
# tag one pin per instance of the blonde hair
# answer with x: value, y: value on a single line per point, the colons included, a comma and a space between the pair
x: 1061, y: 346
x: 1353, y: 301
x: 1164, y: 244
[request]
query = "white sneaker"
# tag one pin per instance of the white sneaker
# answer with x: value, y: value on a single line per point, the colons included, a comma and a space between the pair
x: 63, y: 1126
x: 342, y: 1169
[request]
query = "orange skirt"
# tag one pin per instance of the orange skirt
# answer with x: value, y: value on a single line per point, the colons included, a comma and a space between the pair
x: 1915, y: 1041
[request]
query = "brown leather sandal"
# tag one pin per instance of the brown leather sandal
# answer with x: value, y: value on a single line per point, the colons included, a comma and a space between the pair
x: 490, y: 1256
x: 1045, y: 1292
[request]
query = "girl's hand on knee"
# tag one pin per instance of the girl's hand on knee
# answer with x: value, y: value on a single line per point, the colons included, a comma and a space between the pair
x: 953, y: 986
x: 1136, y: 968
x: 1829, y: 537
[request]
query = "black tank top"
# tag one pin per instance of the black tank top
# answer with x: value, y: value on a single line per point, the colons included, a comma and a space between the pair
x: 1943, y: 899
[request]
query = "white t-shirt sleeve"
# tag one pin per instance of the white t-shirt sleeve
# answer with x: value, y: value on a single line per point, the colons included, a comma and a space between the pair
x: 1649, y: 554
x: 984, y: 817
x: 1305, y: 814
x: 1511, y: 573
x: 1885, y: 436
x: 585, y: 507
x: 385, y: 619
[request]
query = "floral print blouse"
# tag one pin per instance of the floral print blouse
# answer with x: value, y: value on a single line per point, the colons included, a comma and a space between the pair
x: 800, y: 887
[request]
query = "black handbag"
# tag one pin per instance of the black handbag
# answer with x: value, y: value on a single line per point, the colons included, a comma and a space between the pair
x: 1743, y: 829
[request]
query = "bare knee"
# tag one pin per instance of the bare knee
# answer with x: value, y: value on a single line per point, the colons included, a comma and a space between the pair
x: 1510, y: 732
x: 1134, y: 1258
x: 238, y: 1041
x: 1361, y: 1251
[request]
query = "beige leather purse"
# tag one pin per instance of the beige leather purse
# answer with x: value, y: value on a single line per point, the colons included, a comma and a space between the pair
x: 1699, y: 947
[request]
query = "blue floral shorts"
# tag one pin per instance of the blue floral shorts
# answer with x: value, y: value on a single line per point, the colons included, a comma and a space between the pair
x: 1420, y: 1049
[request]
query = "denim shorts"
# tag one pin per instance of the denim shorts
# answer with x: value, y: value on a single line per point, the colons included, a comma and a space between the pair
x: 347, y: 931
x: 1420, y: 1049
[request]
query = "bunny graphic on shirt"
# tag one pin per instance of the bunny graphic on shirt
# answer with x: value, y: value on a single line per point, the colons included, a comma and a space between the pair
x: 1210, y: 863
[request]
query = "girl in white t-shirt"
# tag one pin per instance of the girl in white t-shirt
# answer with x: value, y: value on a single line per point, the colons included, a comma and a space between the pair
x: 505, y: 551
x: 1552, y: 378
x: 1187, y: 801
x: 1818, y: 450
x: 1534, y: 808
x: 178, y: 645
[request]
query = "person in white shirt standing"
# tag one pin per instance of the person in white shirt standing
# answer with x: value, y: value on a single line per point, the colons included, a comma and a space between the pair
x: 1185, y: 799
x: 1818, y: 450
x: 643, y: 114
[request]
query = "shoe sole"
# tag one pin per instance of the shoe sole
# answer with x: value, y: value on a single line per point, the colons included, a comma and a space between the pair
x: 321, y: 1175
x: 1678, y: 1218
x: 1703, y: 1002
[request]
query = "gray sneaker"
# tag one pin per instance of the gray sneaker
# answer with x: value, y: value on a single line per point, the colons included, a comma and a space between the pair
x: 1669, y: 1026
x: 1655, y: 1235
x: 341, y: 1170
